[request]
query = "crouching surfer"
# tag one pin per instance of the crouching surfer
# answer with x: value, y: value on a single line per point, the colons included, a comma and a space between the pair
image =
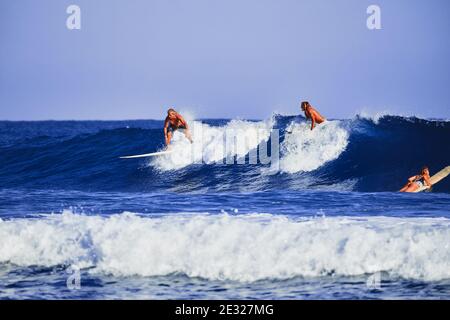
x: 418, y: 181
x: 173, y: 122
x: 311, y: 113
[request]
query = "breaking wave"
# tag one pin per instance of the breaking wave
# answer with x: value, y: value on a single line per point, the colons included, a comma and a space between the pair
x: 359, y: 154
x: 243, y: 248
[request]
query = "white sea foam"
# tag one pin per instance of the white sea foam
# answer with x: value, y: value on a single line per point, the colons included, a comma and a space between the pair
x: 210, y: 143
x: 302, y: 149
x: 373, y: 116
x: 306, y: 150
x: 224, y: 247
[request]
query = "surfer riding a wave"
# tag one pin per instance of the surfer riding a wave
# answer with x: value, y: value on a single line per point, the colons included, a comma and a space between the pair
x: 173, y: 122
x: 311, y: 113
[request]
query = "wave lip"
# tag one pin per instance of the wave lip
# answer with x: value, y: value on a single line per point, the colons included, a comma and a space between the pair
x: 238, y: 248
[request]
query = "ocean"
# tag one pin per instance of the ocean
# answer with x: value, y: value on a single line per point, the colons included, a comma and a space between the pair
x: 323, y: 220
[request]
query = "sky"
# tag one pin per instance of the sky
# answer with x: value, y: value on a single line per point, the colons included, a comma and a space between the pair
x: 132, y: 59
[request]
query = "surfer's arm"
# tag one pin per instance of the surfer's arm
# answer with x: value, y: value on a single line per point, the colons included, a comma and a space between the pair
x: 166, y: 126
x: 313, y: 121
x: 187, y: 133
x: 183, y: 122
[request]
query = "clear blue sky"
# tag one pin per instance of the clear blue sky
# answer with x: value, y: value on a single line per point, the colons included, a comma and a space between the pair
x: 222, y: 58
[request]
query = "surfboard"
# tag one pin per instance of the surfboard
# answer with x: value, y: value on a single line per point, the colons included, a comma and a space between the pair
x: 436, y: 178
x: 160, y: 153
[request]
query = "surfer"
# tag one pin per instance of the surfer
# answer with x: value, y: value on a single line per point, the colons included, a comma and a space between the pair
x: 311, y: 113
x: 173, y: 122
x: 418, y: 181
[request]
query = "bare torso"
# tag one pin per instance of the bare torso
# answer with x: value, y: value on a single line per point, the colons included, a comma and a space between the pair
x: 416, y: 182
x: 312, y: 113
x: 175, y: 122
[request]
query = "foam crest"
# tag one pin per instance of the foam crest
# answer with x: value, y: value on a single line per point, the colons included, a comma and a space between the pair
x: 223, y: 247
x: 304, y: 149
x: 373, y: 116
x: 210, y: 143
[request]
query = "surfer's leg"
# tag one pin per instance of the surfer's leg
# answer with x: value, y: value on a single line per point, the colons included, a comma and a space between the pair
x: 412, y: 187
x: 406, y: 187
x: 320, y: 119
x: 169, y: 137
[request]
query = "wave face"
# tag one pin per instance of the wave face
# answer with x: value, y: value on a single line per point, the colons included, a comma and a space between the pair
x: 359, y: 154
x: 243, y: 248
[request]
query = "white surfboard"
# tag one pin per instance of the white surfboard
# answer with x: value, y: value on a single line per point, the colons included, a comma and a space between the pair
x: 436, y: 178
x: 160, y: 153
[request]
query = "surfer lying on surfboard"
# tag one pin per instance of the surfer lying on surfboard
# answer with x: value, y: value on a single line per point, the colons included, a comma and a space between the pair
x: 173, y: 122
x: 311, y: 113
x: 418, y: 181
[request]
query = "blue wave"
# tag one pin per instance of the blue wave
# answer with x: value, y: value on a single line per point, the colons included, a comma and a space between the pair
x: 366, y: 155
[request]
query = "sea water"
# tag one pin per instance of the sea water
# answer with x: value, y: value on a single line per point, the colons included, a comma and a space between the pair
x: 78, y: 222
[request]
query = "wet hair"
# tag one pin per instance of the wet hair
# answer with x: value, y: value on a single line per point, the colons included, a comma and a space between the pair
x: 305, y: 104
x: 424, y: 168
x: 170, y: 110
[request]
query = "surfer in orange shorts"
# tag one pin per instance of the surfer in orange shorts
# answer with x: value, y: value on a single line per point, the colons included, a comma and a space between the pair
x: 311, y: 113
x: 418, y: 181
